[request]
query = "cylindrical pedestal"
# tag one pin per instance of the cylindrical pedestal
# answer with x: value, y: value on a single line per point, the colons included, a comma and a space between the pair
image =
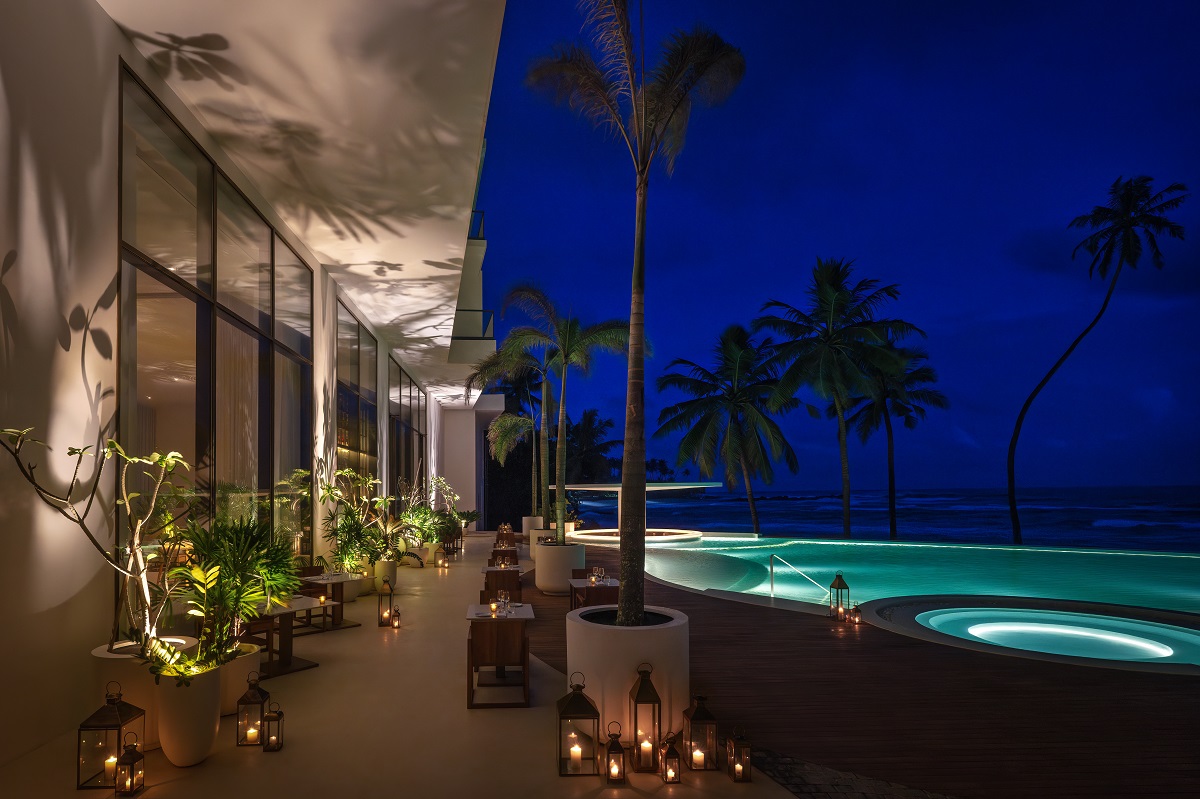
x: 554, y: 565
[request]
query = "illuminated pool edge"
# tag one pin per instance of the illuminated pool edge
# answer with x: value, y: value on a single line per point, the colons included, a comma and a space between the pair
x: 901, y: 614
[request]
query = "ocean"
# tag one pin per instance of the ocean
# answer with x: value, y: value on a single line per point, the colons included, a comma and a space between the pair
x: 1132, y: 518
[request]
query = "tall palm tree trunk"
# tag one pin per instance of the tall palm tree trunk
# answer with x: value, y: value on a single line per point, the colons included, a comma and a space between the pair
x: 560, y: 463
x: 544, y: 451
x: 891, y: 460
x: 750, y: 496
x: 841, y: 420
x: 631, y: 600
x: 1012, y: 445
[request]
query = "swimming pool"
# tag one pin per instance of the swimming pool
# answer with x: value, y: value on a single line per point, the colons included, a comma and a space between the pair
x: 879, y: 570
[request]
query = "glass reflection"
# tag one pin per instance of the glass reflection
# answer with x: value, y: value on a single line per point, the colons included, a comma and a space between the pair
x: 241, y: 490
x: 293, y: 300
x: 293, y: 452
x: 243, y: 258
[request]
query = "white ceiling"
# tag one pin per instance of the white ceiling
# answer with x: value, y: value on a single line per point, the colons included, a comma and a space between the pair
x: 361, y: 122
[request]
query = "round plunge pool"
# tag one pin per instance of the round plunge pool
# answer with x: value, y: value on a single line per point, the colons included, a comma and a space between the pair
x: 1087, y: 634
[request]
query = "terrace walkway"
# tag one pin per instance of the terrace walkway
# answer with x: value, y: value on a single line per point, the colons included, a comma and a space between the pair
x: 947, y: 720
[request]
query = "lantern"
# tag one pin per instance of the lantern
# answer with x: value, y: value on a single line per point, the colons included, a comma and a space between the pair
x: 130, y: 768
x: 100, y: 736
x: 645, y: 712
x: 737, y: 756
x: 578, y: 732
x: 250, y: 709
x: 699, y: 736
x: 670, y: 765
x: 614, y: 757
x: 839, y: 598
x: 273, y: 729
x: 439, y: 558
x: 384, y: 601
x: 395, y: 617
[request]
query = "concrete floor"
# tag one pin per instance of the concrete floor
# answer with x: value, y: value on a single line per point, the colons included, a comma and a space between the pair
x: 386, y: 711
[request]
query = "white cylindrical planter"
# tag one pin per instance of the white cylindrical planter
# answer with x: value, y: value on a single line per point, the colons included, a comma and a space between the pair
x: 384, y: 568
x: 529, y: 524
x: 554, y: 565
x: 189, y: 718
x: 608, y: 657
x: 350, y: 590
x: 234, y: 675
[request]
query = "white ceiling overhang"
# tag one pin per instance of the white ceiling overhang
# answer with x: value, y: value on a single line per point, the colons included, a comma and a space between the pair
x: 361, y: 122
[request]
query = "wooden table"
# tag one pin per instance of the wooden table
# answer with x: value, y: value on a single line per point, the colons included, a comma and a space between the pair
x: 482, y: 614
x: 487, y: 569
x: 336, y: 583
x: 582, y: 584
x: 285, y: 662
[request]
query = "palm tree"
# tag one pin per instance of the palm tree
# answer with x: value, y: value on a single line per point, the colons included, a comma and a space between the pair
x: 831, y: 345
x: 525, y: 371
x: 1133, y: 210
x: 649, y: 113
x: 565, y: 342
x: 900, y: 393
x: 728, y: 419
x: 588, y: 446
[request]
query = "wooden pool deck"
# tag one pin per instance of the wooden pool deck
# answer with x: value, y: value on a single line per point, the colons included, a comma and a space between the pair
x: 947, y: 720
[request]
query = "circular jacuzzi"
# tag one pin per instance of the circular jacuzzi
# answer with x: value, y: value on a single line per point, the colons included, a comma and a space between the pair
x: 655, y: 536
x: 1110, y: 636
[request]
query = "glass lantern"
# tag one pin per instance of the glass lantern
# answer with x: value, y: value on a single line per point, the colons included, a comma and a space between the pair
x: 250, y: 709
x: 699, y: 736
x: 614, y: 756
x: 578, y: 732
x: 100, y: 736
x: 384, y: 599
x: 839, y: 598
x: 273, y: 729
x: 130, y: 768
x: 856, y: 615
x: 645, y: 712
x: 669, y: 766
x: 737, y: 756
x: 395, y: 617
x: 439, y: 557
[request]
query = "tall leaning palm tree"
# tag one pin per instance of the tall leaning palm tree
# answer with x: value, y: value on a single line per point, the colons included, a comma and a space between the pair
x: 566, y: 343
x: 833, y: 344
x: 512, y: 363
x: 1133, y: 210
x: 648, y: 112
x: 900, y: 391
x: 727, y: 421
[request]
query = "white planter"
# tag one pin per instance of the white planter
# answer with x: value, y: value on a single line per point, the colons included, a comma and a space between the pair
x: 350, y: 590
x: 608, y: 657
x: 385, y: 568
x: 554, y: 565
x: 529, y: 524
x: 189, y: 718
x: 137, y: 683
x: 234, y: 675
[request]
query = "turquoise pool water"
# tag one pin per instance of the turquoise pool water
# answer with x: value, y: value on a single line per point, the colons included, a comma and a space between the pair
x: 1081, y: 635
x: 877, y: 570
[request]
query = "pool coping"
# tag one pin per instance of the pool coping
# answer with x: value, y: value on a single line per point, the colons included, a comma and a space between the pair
x: 898, y: 615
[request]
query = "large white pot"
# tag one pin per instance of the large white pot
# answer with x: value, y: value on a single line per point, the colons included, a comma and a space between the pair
x: 189, y: 718
x: 137, y: 683
x: 529, y: 524
x: 554, y: 565
x: 234, y: 676
x: 608, y: 657
x: 385, y: 568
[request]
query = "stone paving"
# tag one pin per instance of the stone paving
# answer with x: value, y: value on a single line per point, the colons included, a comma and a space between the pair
x: 817, y: 782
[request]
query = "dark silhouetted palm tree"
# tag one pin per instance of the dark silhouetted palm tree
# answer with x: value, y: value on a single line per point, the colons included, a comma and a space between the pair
x: 1133, y: 210
x: 648, y: 112
x: 728, y: 422
x: 588, y: 445
x: 565, y: 343
x: 900, y: 392
x: 833, y: 344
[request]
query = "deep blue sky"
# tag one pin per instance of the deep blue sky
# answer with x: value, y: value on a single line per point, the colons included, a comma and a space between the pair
x: 944, y: 146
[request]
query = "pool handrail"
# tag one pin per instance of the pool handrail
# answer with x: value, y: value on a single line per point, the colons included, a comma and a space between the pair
x: 771, y: 563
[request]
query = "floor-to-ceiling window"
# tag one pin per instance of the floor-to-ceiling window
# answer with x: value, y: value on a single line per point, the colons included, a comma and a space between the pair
x: 406, y: 430
x: 357, y: 375
x: 216, y: 349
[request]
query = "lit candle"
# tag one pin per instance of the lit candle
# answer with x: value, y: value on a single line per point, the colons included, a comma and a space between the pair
x: 110, y: 769
x: 322, y: 599
x: 387, y: 614
x: 129, y: 783
x: 493, y: 607
x: 275, y: 740
x: 647, y: 753
x: 252, y: 735
x: 576, y: 753
x: 697, y: 758
x: 670, y: 773
x: 737, y: 769
x: 614, y: 769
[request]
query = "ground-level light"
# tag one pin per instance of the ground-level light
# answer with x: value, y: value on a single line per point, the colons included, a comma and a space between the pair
x: 578, y: 732
x: 100, y: 736
x: 700, y: 736
x: 645, y: 713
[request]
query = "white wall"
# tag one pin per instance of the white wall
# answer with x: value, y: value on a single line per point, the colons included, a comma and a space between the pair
x: 458, y: 441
